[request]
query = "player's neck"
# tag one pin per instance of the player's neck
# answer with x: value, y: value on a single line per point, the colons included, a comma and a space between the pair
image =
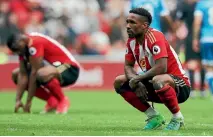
x: 140, y: 39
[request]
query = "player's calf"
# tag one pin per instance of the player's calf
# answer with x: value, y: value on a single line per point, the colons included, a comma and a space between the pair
x: 48, y: 77
x: 122, y: 87
x: 167, y: 95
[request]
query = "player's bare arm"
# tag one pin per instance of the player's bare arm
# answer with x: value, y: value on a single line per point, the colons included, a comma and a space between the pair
x: 129, y: 69
x: 21, y: 85
x: 196, y: 32
x: 160, y: 67
x: 35, y: 65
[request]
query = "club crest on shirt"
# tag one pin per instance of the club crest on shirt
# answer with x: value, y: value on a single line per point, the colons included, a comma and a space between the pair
x: 156, y: 50
x: 32, y: 51
x: 143, y: 64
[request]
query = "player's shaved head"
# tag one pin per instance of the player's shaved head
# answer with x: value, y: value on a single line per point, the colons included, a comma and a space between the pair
x: 145, y: 15
x: 17, y: 43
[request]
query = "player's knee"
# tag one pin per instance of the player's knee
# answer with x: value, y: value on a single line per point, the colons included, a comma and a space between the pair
x: 118, y: 82
x: 15, y: 75
x: 158, y: 82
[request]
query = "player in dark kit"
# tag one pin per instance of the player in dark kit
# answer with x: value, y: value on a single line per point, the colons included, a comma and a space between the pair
x: 185, y: 13
x: 43, y: 81
x: 163, y: 81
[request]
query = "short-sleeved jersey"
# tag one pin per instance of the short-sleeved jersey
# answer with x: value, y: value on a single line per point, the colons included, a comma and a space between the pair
x: 204, y: 8
x: 155, y: 46
x: 51, y: 51
x: 157, y: 9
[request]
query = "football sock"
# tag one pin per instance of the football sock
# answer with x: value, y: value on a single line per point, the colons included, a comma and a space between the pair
x: 151, y: 112
x: 132, y: 99
x: 210, y: 83
x: 178, y: 115
x: 202, y: 79
x: 41, y: 93
x: 55, y: 88
x: 191, y: 78
x: 168, y: 96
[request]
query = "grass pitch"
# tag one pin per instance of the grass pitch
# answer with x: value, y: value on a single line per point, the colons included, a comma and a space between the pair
x: 99, y: 113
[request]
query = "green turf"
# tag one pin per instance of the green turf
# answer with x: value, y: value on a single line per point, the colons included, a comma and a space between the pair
x: 99, y: 113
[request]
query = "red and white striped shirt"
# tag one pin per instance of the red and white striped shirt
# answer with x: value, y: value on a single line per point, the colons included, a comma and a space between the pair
x: 155, y: 46
x: 50, y: 50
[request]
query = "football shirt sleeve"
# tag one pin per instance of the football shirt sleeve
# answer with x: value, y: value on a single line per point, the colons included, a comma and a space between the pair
x: 36, y: 50
x: 198, y: 10
x: 158, y: 48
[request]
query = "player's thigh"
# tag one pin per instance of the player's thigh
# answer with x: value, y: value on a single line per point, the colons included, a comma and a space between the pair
x: 15, y: 73
x: 46, y: 73
x: 68, y: 74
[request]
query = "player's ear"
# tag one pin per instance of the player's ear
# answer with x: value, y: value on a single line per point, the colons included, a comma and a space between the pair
x: 145, y: 25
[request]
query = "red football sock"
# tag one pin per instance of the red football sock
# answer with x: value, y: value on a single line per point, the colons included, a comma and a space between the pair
x: 52, y: 101
x: 168, y: 96
x: 132, y: 99
x: 55, y: 88
x: 41, y: 93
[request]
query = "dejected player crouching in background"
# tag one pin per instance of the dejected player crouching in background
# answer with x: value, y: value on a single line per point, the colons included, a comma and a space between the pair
x: 164, y: 80
x: 43, y: 80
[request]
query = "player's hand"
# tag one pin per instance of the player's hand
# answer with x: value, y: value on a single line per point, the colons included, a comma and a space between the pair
x: 195, y: 45
x: 27, y: 107
x: 141, y: 91
x: 133, y: 82
x: 18, y: 105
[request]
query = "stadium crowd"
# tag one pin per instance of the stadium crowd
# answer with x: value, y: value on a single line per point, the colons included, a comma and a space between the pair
x: 85, y: 27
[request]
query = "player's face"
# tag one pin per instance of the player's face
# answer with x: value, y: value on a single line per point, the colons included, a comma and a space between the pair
x: 135, y: 25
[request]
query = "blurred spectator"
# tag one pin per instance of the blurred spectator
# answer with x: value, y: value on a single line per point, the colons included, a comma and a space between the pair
x: 185, y: 14
x: 22, y: 10
x: 116, y: 34
x: 4, y: 14
x: 35, y: 23
x: 83, y: 26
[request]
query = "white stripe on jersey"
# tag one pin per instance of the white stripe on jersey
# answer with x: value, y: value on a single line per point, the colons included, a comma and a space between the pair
x: 150, y: 57
x: 178, y: 62
x: 69, y: 55
x: 132, y: 46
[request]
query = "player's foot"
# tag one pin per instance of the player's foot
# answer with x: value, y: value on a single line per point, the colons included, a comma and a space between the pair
x: 192, y: 94
x: 63, y: 106
x: 175, y: 124
x: 203, y: 94
x: 154, y: 122
x: 51, y: 105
